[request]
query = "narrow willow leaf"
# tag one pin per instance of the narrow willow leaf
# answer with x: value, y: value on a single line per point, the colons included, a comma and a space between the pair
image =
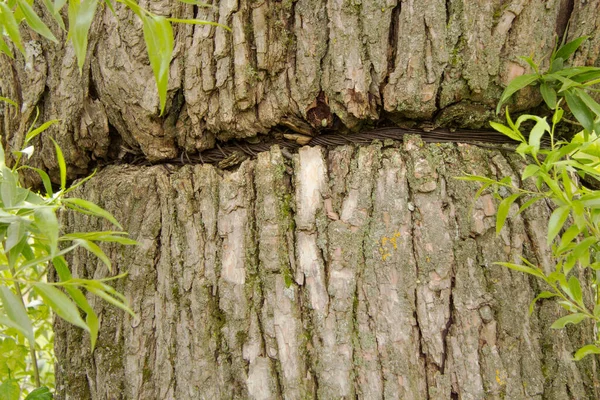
x: 575, y: 289
x: 62, y: 166
x: 528, y: 204
x: 5, y: 49
x: 41, y: 393
x: 96, y: 250
x: 569, y: 319
x: 81, y: 182
x: 92, y: 209
x: 542, y: 295
x: 60, y: 304
x: 8, y: 21
x: 580, y: 110
x: 46, y: 221
x: 55, y: 14
x: 108, y: 298
x: 515, y: 85
x: 81, y: 14
x: 31, y: 134
x: 566, y: 50
x: 586, y: 351
x: 567, y: 238
x: 589, y: 101
x: 34, y: 21
x: 549, y: 95
x: 59, y: 4
x: 8, y: 187
x: 45, y: 180
x: 9, y: 101
x: 505, y: 130
x: 110, y: 6
x: 104, y: 236
x: 15, y: 311
x: 503, y: 210
x: 530, y: 171
x: 557, y: 220
x: 522, y: 268
x: 158, y: 35
x: 557, y: 117
x: 536, y: 134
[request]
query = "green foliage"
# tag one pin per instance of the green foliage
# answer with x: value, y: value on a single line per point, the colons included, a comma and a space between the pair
x: 563, y: 81
x: 31, y: 243
x: 556, y: 173
x: 158, y: 31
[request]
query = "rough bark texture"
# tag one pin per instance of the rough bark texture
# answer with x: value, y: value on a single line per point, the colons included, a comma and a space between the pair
x: 354, y: 272
x: 359, y: 272
x: 300, y: 65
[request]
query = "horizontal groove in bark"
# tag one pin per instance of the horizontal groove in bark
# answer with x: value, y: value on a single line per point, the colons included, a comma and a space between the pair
x: 356, y: 272
x: 302, y: 65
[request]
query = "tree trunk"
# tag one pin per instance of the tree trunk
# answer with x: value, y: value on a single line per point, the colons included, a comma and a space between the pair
x: 346, y: 272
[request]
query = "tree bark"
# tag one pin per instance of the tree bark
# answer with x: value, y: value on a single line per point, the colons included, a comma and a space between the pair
x: 349, y: 272
x: 356, y: 272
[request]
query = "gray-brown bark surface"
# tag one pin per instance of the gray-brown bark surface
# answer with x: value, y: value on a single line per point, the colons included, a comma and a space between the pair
x: 358, y: 272
x: 301, y: 65
x: 354, y: 272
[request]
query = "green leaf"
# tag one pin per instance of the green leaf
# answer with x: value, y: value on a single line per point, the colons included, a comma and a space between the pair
x: 542, y: 295
x: 108, y: 298
x: 527, y: 204
x: 522, y: 268
x: 91, y: 318
x: 503, y: 210
x: 566, y: 50
x: 549, y: 95
x: 41, y: 393
x: 589, y: 102
x: 158, y: 35
x: 505, y: 130
x: 96, y: 250
x: 557, y: 116
x: 567, y: 238
x: 8, y: 21
x: 34, y: 21
x: 5, y: 49
x: 14, y: 234
x: 569, y: 319
x: 580, y: 110
x: 529, y: 171
x: 90, y: 208
x: 10, y: 390
x: 59, y: 4
x: 9, y: 101
x: 586, y: 351
x: 45, y: 180
x: 15, y: 311
x: 575, y: 290
x: 8, y: 191
x: 60, y: 159
x: 536, y: 134
x: 31, y: 134
x: 104, y: 236
x: 81, y: 14
x: 515, y: 85
x: 60, y: 304
x: 557, y: 220
x: 46, y: 221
